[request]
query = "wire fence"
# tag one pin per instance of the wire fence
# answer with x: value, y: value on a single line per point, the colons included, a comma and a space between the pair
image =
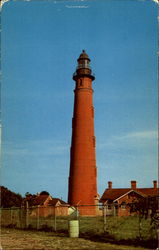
x: 97, y: 221
x: 38, y: 217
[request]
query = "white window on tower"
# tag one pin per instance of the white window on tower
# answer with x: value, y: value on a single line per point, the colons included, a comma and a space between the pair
x: 86, y: 63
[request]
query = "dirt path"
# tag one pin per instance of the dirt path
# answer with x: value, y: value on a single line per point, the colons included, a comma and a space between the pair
x: 13, y: 239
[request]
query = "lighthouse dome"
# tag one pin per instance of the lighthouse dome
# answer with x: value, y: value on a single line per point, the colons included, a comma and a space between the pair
x: 83, y: 55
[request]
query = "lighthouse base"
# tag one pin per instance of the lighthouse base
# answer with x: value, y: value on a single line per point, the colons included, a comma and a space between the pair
x: 88, y: 210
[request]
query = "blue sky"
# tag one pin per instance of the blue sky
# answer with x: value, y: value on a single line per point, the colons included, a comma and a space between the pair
x: 41, y: 41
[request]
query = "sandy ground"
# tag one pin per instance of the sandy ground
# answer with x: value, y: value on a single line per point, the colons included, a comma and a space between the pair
x: 13, y: 239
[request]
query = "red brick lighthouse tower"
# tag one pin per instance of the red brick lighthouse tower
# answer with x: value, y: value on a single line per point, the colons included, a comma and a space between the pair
x: 83, y: 173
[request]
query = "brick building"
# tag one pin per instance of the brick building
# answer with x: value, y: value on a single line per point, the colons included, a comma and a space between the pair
x: 118, y: 200
x: 45, y: 205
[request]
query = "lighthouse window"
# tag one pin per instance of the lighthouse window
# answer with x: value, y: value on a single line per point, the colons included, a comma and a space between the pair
x: 83, y: 64
x: 80, y: 82
x: 94, y: 141
x: 92, y: 111
x: 86, y: 64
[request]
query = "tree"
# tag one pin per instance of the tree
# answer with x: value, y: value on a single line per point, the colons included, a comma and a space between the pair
x: 44, y: 193
x: 145, y: 206
x: 9, y: 198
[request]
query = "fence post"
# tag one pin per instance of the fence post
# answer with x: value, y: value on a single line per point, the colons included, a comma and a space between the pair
x: 27, y: 214
x: 11, y: 216
x: 77, y: 213
x: 114, y: 210
x: 21, y: 217
x: 55, y: 218
x: 140, y: 227
x: 105, y: 219
x: 1, y: 216
x: 38, y: 217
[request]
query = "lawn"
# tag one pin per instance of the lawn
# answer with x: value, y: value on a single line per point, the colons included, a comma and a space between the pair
x: 14, y: 239
x: 127, y: 231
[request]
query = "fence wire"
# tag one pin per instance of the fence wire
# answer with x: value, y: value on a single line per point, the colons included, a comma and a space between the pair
x: 56, y: 218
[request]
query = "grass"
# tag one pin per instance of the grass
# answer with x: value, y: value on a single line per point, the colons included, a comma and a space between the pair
x: 121, y: 230
x: 118, y: 230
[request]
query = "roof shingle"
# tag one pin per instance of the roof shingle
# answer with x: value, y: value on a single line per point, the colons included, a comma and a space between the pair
x: 115, y: 193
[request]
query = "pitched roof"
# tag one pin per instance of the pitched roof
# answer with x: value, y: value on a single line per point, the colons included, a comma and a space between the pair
x: 149, y: 191
x: 115, y: 193
x: 55, y: 200
x: 39, y: 200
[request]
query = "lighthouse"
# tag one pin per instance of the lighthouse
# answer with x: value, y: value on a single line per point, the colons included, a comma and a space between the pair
x: 83, y: 172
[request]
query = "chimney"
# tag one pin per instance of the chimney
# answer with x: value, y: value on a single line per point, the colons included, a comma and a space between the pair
x: 109, y: 185
x: 154, y: 184
x: 133, y: 184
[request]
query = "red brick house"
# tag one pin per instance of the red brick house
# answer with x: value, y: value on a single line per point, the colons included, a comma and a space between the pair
x: 117, y: 200
x: 45, y: 205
